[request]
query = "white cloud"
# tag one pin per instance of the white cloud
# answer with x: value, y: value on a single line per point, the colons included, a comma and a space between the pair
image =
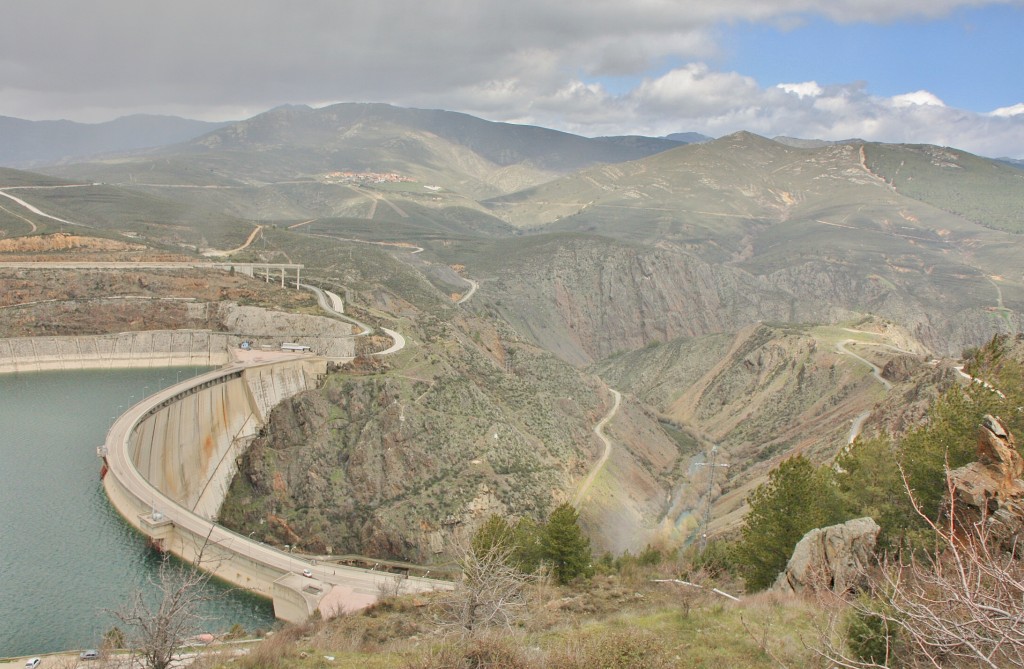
x: 696, y: 98
x: 806, y: 89
x: 588, y: 66
x: 917, y: 98
x: 1007, y: 112
x: 695, y: 90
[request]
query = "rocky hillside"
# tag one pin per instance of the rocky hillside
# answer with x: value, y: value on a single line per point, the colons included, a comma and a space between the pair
x: 400, y: 460
x: 687, y: 277
x: 768, y: 392
x: 587, y: 297
x: 98, y: 301
x: 716, y: 236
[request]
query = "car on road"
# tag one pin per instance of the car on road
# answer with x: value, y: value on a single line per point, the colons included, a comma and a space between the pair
x: 33, y: 663
x: 90, y: 654
x: 307, y: 573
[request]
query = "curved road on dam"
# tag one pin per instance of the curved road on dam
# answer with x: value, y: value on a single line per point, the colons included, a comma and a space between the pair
x: 356, y: 587
x: 362, y: 584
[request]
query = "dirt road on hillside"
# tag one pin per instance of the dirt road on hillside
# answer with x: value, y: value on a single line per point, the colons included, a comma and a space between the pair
x: 599, y: 431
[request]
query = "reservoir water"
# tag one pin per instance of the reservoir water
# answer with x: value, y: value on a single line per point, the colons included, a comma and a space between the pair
x: 66, y: 557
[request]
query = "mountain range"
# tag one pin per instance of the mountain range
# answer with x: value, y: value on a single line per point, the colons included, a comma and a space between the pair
x: 678, y: 239
x: 28, y: 144
x: 713, y: 280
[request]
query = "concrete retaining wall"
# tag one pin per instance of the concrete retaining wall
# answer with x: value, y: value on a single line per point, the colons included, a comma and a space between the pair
x: 157, y: 348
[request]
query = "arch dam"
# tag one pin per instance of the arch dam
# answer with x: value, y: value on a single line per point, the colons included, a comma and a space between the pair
x: 169, y: 462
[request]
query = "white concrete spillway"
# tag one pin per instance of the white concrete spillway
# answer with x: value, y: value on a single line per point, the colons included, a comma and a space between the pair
x: 171, y: 458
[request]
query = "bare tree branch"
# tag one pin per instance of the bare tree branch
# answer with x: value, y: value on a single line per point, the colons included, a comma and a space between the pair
x: 491, y: 594
x: 155, y: 627
x: 960, y: 604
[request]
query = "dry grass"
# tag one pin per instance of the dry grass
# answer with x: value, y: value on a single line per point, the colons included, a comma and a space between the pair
x: 610, y: 623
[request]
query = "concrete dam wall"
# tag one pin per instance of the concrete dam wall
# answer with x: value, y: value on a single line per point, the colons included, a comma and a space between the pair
x: 180, y: 348
x: 187, y: 446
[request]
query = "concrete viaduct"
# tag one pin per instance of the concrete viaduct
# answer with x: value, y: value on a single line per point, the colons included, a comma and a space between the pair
x: 265, y: 270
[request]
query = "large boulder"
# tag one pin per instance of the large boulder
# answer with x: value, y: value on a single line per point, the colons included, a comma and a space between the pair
x: 830, y: 558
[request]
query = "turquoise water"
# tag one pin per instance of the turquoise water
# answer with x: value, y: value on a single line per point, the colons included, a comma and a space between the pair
x: 66, y: 557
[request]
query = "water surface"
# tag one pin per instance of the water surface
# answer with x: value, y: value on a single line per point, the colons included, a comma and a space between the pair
x: 66, y: 556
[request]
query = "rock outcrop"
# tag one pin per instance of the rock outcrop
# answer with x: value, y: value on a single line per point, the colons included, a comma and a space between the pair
x: 832, y: 558
x: 992, y: 489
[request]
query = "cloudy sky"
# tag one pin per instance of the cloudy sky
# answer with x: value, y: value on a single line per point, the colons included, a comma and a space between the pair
x: 938, y: 71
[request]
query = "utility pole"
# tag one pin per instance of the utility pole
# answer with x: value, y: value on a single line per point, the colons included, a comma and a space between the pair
x: 707, y: 498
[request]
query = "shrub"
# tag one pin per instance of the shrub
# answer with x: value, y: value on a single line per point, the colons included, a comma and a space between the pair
x: 625, y: 649
x: 870, y: 634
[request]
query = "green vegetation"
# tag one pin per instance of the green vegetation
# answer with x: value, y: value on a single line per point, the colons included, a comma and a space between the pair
x: 867, y: 479
x: 981, y: 190
x: 615, y: 621
x: 564, y: 545
x: 558, y: 544
x: 871, y: 635
x: 796, y: 499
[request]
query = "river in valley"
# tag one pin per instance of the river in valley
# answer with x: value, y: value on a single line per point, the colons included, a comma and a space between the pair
x: 66, y: 557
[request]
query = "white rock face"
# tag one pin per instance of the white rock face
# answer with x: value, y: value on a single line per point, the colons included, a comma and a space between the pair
x: 831, y: 558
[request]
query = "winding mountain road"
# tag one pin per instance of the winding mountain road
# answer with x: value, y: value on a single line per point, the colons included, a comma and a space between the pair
x: 39, y: 212
x: 331, y: 303
x: 212, y: 253
x: 599, y: 431
x: 473, y: 285
x: 858, y: 423
x: 876, y: 371
x: 983, y: 383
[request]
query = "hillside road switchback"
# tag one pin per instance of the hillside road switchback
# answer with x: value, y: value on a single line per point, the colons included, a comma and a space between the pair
x: 599, y: 431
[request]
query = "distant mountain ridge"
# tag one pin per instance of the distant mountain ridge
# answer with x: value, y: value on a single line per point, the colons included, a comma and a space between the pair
x: 29, y: 144
x: 801, y: 143
x: 451, y: 151
x: 688, y: 137
x: 503, y: 144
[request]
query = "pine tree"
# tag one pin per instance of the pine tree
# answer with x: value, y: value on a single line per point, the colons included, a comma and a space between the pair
x: 528, y: 552
x: 494, y: 533
x: 796, y: 499
x: 565, y: 547
x: 949, y: 438
x: 869, y: 483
